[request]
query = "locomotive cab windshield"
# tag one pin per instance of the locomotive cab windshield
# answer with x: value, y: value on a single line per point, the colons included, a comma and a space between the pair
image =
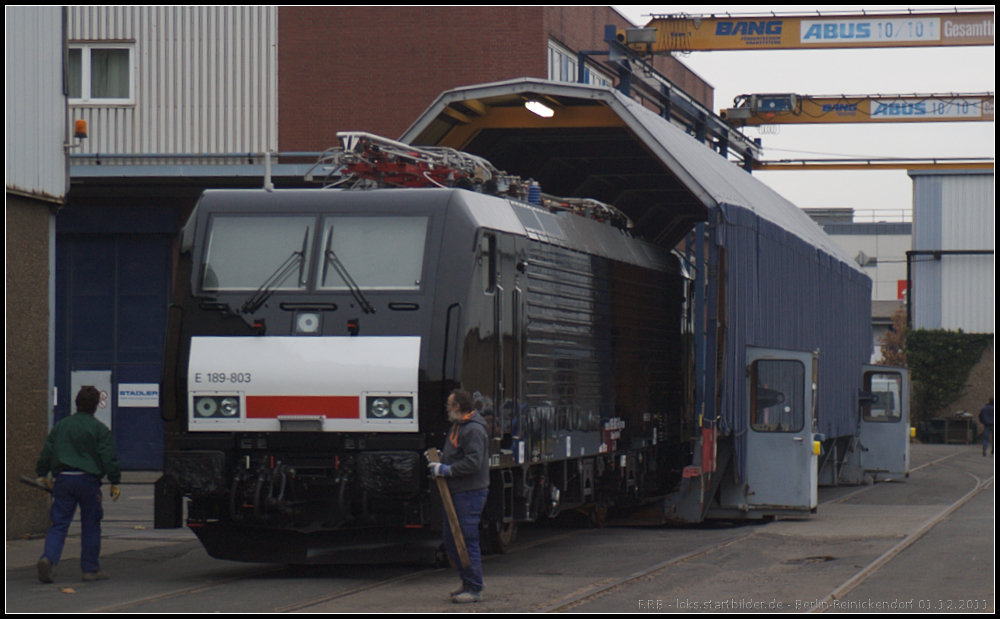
x: 369, y: 253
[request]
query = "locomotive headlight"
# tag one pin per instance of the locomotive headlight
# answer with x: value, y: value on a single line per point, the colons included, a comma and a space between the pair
x: 402, y: 408
x: 230, y: 407
x: 307, y: 323
x: 387, y: 408
x: 206, y: 407
x: 217, y: 407
x: 380, y: 407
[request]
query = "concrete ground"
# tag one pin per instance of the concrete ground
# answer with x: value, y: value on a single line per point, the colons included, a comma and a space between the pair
x: 127, y: 525
x: 794, y: 561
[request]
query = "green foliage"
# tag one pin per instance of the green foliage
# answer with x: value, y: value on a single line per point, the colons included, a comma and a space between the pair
x: 940, y: 362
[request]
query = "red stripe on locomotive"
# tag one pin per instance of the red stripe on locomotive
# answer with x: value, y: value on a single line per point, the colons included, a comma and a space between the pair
x: 331, y: 406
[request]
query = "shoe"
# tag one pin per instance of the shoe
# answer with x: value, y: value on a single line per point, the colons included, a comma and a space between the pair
x: 45, y: 570
x: 98, y: 575
x: 468, y: 597
x: 458, y: 591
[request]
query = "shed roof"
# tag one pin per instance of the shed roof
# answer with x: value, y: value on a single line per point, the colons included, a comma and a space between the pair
x: 601, y: 144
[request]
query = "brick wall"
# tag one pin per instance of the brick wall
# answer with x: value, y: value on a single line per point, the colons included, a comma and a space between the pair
x: 378, y: 68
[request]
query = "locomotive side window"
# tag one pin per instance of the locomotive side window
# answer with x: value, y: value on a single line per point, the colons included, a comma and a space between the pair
x: 244, y: 251
x: 377, y: 253
x: 776, y: 396
x: 886, y: 388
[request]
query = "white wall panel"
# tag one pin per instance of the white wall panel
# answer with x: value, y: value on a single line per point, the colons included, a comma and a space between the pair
x: 205, y: 79
x: 954, y: 212
x: 35, y: 162
x: 968, y: 219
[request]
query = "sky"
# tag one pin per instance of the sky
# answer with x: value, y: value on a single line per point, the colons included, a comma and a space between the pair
x: 852, y: 72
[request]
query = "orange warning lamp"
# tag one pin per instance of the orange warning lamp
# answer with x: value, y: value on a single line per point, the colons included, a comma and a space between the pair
x: 80, y: 129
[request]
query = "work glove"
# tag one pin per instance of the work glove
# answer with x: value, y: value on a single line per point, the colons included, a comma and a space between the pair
x: 439, y: 470
x: 45, y: 481
x: 115, y: 493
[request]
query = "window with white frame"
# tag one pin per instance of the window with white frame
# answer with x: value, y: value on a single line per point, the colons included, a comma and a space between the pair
x: 596, y: 78
x: 562, y: 63
x: 101, y: 73
x: 563, y: 67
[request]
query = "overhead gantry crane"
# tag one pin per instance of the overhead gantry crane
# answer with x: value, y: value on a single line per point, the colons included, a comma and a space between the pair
x: 665, y: 34
x: 780, y: 109
x: 772, y: 110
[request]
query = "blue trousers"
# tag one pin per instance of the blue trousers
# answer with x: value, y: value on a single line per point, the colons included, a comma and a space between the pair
x: 69, y: 491
x: 469, y: 508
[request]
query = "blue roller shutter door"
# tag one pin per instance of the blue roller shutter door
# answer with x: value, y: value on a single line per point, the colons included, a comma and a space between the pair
x: 111, y: 302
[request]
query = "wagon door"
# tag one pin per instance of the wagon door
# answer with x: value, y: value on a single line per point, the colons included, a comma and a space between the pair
x: 885, y: 421
x: 781, y: 463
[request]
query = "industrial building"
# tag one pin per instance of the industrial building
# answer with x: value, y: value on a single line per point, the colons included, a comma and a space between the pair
x: 179, y: 99
x: 952, y: 262
x: 952, y: 266
x: 36, y: 178
x: 201, y: 94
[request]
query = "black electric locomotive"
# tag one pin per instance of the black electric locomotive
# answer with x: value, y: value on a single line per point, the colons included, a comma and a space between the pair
x: 317, y: 333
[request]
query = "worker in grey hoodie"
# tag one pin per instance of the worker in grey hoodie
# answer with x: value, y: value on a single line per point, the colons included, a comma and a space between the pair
x: 466, y: 467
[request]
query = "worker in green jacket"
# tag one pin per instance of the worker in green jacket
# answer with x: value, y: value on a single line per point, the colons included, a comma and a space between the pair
x: 79, y: 452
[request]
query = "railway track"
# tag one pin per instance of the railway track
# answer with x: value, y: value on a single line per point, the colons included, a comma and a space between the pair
x: 848, y: 586
x: 822, y: 605
x: 153, y: 599
x: 373, y: 585
x: 578, y: 600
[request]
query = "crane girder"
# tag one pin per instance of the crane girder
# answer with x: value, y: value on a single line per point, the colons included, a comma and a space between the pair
x: 779, y: 109
x: 685, y: 33
x: 812, y: 165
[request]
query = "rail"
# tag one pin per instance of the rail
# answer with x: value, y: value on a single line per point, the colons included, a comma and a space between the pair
x: 701, y: 551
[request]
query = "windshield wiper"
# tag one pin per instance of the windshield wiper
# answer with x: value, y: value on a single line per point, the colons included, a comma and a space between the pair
x: 296, y: 260
x: 331, y: 258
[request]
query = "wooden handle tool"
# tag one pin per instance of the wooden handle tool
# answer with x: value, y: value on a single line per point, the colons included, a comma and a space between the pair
x: 31, y: 481
x: 449, y: 509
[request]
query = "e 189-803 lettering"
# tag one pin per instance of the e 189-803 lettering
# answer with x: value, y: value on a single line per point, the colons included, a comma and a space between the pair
x: 221, y: 378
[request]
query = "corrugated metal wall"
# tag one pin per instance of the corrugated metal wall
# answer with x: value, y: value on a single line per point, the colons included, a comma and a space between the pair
x: 954, y: 212
x: 36, y: 108
x: 782, y: 292
x: 205, y: 79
